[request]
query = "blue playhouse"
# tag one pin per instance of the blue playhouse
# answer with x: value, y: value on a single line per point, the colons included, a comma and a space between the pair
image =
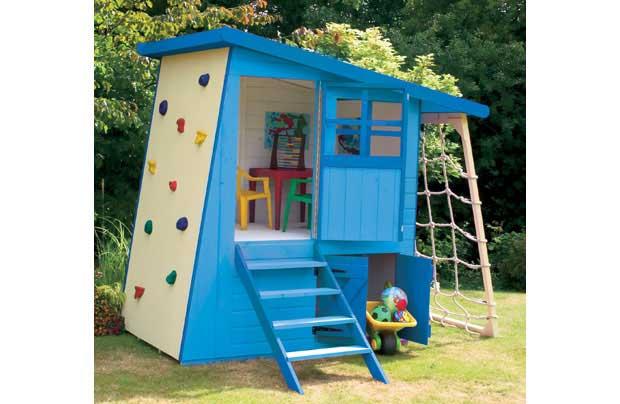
x: 242, y: 128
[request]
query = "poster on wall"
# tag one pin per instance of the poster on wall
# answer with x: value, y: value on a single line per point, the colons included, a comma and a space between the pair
x: 291, y: 131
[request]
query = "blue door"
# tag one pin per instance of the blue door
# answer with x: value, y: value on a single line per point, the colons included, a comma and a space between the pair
x: 361, y: 163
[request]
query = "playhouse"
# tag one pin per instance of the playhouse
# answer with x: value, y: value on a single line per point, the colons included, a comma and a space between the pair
x: 278, y: 195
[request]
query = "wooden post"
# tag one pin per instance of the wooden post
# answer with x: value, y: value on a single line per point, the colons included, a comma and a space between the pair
x: 459, y: 122
x: 461, y: 126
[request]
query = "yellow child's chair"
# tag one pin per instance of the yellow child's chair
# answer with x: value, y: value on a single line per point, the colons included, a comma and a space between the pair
x: 244, y: 196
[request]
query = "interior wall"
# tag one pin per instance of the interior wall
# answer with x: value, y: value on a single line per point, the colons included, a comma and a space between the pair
x: 261, y: 95
x: 381, y: 268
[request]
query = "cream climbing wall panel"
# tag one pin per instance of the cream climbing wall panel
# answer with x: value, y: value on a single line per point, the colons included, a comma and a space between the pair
x: 173, y: 187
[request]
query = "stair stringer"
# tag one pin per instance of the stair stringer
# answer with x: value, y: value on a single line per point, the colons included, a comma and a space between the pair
x: 277, y: 349
x: 359, y: 337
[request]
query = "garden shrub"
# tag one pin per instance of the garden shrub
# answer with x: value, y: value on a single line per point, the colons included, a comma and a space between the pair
x: 112, y: 249
x: 507, y: 255
x: 108, y: 304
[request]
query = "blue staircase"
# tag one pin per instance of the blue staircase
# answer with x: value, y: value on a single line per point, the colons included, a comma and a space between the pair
x: 253, y: 258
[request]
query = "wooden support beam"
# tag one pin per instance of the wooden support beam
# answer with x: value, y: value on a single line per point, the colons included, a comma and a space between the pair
x: 459, y: 122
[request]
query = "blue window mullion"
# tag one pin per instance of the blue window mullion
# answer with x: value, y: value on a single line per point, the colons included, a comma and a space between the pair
x: 364, y: 125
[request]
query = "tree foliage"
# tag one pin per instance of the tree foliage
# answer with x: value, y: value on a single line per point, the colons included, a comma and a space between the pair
x: 371, y: 50
x: 125, y: 82
x: 482, y: 42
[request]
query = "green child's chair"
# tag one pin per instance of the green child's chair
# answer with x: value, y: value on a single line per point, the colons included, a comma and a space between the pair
x: 293, y: 196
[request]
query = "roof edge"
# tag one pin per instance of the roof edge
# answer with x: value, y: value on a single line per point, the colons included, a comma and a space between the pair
x: 227, y: 37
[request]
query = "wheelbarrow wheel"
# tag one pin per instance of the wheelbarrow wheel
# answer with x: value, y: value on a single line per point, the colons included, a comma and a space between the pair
x: 388, y: 344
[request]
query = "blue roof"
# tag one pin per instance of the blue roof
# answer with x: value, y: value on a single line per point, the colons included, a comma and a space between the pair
x: 228, y: 37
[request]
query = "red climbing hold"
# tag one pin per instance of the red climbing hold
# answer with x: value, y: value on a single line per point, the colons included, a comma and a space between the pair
x: 172, y: 185
x: 139, y: 292
x: 180, y: 125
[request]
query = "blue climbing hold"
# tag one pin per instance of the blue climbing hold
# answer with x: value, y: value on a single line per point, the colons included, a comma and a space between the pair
x: 203, y: 80
x: 182, y: 223
x: 163, y: 107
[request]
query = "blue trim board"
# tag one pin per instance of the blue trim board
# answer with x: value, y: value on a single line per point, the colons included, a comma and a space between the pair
x: 225, y: 36
x: 206, y: 361
x: 414, y: 276
x: 409, y: 185
x: 146, y: 153
x: 205, y: 216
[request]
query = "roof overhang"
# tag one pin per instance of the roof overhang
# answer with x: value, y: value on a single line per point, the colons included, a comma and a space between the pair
x: 432, y: 100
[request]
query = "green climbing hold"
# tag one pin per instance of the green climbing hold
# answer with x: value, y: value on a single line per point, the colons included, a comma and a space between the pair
x: 172, y: 277
x: 148, y: 226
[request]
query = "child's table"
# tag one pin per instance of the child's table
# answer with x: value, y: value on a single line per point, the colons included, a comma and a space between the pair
x: 277, y: 176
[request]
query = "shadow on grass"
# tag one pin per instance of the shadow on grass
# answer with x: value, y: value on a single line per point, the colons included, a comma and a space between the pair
x: 129, y: 369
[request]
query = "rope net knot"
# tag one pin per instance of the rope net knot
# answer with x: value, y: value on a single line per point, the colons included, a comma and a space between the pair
x: 451, y: 245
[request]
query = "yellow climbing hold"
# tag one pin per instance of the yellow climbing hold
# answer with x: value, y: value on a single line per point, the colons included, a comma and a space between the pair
x: 200, y: 137
x: 152, y: 166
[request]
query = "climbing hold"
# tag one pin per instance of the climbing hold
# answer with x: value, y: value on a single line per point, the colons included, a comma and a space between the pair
x: 148, y: 226
x: 200, y: 137
x: 139, y: 292
x: 163, y: 107
x: 180, y: 125
x: 182, y: 223
x: 203, y: 80
x: 172, y: 277
x: 172, y: 185
x: 152, y: 166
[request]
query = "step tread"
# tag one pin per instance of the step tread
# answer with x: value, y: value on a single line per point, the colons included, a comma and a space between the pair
x: 254, y: 265
x: 312, y: 322
x: 274, y: 294
x: 327, y: 352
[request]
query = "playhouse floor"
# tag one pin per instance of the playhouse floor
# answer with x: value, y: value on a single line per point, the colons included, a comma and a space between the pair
x: 260, y: 232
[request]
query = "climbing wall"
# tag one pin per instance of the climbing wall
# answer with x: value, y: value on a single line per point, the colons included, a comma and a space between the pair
x: 172, y: 195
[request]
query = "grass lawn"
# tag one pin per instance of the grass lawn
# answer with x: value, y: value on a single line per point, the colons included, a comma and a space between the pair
x: 455, y: 367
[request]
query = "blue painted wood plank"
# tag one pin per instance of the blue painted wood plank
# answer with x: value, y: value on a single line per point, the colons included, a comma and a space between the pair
x: 352, y: 276
x: 408, y: 231
x: 351, y: 161
x: 326, y: 352
x: 368, y: 194
x: 197, y: 340
x: 334, y: 247
x: 414, y: 275
x: 277, y: 348
x: 354, y: 209
x: 397, y: 212
x: 336, y: 203
x: 358, y: 337
x: 291, y: 293
x: 408, y: 216
x: 246, y: 62
x: 410, y: 175
x: 388, y: 202
x: 312, y: 322
x: 411, y: 183
x: 278, y: 249
x: 257, y: 265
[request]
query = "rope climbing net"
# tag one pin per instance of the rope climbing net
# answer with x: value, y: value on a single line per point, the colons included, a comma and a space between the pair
x: 449, y: 245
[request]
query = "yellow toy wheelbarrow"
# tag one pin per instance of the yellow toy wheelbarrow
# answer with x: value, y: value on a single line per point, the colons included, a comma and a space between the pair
x: 382, y: 333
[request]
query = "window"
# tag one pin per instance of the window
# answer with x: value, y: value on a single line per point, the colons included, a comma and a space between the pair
x: 356, y: 135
